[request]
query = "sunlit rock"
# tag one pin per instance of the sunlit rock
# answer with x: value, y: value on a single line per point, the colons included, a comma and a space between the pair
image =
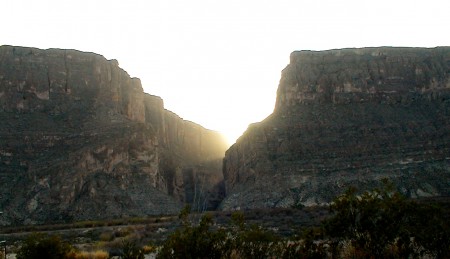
x: 79, y: 140
x: 343, y: 118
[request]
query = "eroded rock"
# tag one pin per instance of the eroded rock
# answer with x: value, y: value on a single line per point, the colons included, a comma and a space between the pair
x: 343, y: 118
x: 80, y: 140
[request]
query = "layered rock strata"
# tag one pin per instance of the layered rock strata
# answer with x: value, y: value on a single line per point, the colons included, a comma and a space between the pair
x: 79, y: 140
x: 343, y: 118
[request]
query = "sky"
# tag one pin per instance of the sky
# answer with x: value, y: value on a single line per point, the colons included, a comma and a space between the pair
x: 218, y: 63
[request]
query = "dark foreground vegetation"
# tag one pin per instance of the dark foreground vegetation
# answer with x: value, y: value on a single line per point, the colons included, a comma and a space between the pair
x: 376, y: 224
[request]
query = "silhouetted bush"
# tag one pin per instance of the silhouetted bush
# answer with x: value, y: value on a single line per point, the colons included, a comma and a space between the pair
x: 132, y: 251
x: 40, y: 246
x: 375, y: 224
x: 202, y: 241
x: 193, y: 241
x: 382, y: 223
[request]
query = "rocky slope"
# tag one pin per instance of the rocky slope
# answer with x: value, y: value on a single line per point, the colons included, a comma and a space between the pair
x: 347, y: 117
x: 79, y: 140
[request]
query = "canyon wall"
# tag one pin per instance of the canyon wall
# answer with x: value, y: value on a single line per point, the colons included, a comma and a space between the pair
x: 79, y: 140
x: 348, y: 117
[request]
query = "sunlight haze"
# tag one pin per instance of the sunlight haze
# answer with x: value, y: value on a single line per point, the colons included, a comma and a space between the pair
x: 218, y: 63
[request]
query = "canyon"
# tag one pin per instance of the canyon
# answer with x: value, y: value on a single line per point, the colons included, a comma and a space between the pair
x: 80, y: 140
x: 347, y: 117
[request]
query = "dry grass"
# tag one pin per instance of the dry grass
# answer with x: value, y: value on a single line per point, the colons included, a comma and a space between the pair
x: 99, y: 254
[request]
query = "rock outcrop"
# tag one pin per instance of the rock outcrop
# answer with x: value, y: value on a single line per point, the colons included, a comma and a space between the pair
x: 79, y: 140
x: 345, y: 118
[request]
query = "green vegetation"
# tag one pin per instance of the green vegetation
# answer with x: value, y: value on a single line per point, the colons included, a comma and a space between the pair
x: 40, y: 246
x: 382, y: 224
x: 131, y: 251
x: 375, y: 224
x: 235, y: 241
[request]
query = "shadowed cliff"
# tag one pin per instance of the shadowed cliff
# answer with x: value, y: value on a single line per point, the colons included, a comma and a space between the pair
x: 79, y: 139
x: 344, y: 118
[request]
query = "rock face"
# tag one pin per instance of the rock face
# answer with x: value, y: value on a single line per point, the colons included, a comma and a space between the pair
x: 345, y: 118
x: 79, y: 140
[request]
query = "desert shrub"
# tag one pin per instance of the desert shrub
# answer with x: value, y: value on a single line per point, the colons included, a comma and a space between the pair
x: 255, y: 242
x: 114, y: 241
x: 204, y: 241
x: 193, y: 241
x: 382, y: 223
x: 40, y: 246
x: 375, y: 224
x: 150, y: 248
x: 309, y: 245
x: 429, y: 227
x: 113, y: 247
x: 131, y: 251
x: 99, y: 254
x: 106, y: 236
x: 123, y: 232
x: 371, y: 220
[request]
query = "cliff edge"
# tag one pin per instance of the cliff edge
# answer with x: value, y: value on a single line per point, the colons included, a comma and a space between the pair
x: 347, y: 117
x: 80, y: 140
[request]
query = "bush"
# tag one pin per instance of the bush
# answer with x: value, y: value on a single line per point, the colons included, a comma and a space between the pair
x: 132, y: 251
x: 369, y: 220
x: 254, y: 242
x: 193, y: 241
x: 382, y: 223
x: 106, y: 236
x: 204, y: 241
x: 87, y: 255
x: 40, y: 246
x: 375, y: 224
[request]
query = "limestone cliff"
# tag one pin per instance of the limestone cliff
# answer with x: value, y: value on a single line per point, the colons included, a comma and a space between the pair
x: 79, y: 139
x: 347, y: 117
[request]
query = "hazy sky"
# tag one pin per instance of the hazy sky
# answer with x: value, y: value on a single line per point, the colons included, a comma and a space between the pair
x: 218, y: 63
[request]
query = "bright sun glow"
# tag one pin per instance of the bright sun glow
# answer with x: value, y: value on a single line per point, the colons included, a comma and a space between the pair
x: 218, y: 63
